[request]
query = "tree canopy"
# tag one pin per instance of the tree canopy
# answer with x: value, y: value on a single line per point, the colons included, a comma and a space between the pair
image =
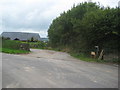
x: 85, y: 26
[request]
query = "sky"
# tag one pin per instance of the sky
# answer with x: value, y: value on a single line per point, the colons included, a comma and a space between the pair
x: 35, y: 16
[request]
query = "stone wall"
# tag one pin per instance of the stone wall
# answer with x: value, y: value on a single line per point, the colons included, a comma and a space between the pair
x: 25, y: 46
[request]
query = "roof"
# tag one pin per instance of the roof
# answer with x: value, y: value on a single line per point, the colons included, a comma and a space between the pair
x: 20, y: 35
x: 44, y: 39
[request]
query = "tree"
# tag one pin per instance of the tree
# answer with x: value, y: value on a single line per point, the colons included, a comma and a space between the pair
x: 85, y: 26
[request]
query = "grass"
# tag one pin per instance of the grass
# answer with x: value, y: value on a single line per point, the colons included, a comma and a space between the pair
x: 13, y: 51
x: 12, y: 47
x: 10, y: 44
x: 0, y: 49
x: 84, y: 57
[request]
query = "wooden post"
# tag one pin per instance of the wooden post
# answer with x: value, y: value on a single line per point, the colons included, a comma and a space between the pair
x: 101, y: 55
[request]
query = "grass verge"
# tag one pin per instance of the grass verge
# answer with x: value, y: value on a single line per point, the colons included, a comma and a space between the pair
x: 13, y: 51
x: 83, y: 57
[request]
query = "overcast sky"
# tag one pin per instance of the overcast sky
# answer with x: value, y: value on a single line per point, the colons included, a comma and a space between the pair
x: 36, y: 15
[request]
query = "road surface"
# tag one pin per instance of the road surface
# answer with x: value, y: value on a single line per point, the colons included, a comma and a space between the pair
x: 51, y: 69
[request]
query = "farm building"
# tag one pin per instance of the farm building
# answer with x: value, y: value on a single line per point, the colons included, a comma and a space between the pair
x: 22, y: 36
x: 44, y: 39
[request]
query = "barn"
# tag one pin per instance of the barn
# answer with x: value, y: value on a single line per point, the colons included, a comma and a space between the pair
x: 22, y: 36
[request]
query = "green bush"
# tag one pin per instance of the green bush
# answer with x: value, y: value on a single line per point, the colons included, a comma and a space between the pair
x: 39, y: 44
x: 12, y: 46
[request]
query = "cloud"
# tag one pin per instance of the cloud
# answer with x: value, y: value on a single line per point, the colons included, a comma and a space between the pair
x: 35, y: 15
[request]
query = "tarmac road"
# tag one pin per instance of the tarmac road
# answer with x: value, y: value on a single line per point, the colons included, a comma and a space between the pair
x: 51, y: 69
